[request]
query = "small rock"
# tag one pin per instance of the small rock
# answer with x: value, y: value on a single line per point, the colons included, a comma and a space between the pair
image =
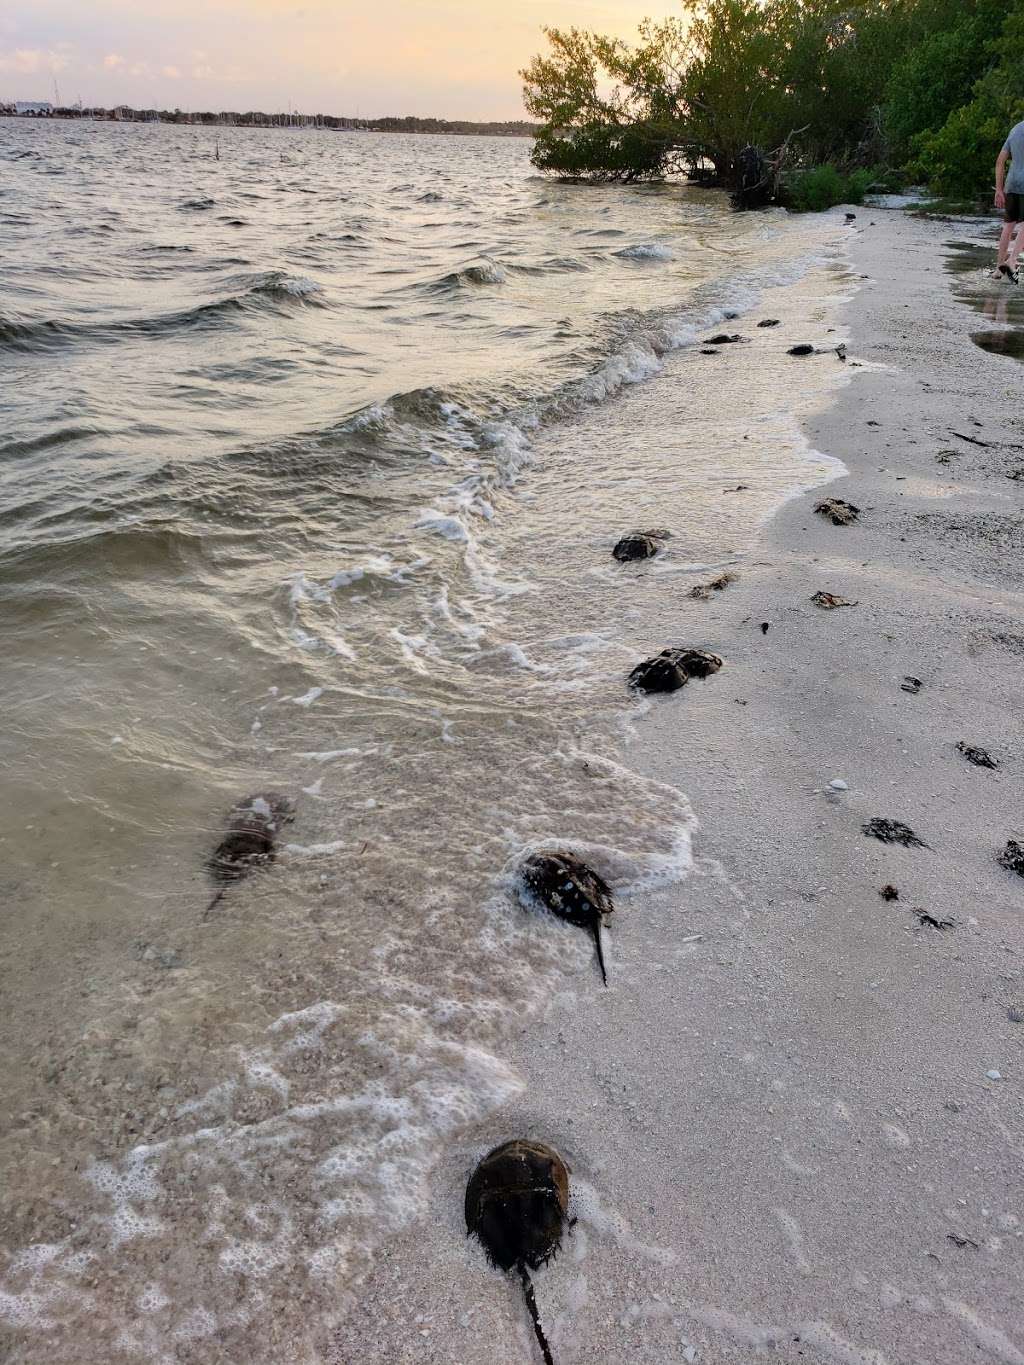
x: 994, y: 1075
x: 911, y: 684
x: 802, y: 349
x: 1015, y: 1015
x: 889, y: 893
x: 838, y: 511
x: 828, y: 601
x: 639, y: 545
x: 892, y: 832
x: 769, y: 322
x: 764, y: 627
x: 838, y: 785
x: 724, y: 339
x: 706, y: 350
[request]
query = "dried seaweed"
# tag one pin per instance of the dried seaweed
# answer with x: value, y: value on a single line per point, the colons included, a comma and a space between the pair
x: 828, y: 601
x: 892, y: 832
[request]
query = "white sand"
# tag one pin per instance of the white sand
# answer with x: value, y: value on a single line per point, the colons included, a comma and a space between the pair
x: 775, y: 1140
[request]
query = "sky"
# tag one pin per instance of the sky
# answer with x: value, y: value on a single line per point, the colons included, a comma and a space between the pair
x: 445, y: 58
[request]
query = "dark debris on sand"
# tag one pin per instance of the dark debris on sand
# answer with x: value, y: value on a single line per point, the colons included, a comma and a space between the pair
x: 702, y: 591
x: 981, y: 758
x: 838, y: 511
x: 892, y: 832
x: 925, y: 920
x: 829, y: 601
x: 1012, y: 857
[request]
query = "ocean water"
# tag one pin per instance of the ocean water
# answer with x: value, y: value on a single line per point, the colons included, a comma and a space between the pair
x: 313, y: 450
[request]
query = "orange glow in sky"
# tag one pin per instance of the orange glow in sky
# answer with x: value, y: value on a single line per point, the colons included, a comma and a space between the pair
x: 447, y: 58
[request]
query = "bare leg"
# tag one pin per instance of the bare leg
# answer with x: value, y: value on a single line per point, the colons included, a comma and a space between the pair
x: 1004, y: 242
x: 1016, y: 247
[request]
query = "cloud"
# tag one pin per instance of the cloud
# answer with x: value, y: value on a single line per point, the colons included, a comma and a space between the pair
x: 202, y: 73
x: 112, y: 61
x: 29, y: 61
x: 172, y: 73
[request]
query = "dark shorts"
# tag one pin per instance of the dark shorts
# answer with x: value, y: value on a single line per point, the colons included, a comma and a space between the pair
x: 1014, y: 211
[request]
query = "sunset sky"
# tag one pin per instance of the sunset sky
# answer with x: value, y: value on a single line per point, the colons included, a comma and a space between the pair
x: 449, y: 58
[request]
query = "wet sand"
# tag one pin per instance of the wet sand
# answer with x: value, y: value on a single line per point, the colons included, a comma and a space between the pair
x: 790, y: 1144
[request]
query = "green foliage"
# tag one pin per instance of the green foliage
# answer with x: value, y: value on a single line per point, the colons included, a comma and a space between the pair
x: 958, y: 157
x: 819, y: 187
x: 829, y: 87
x: 603, y: 152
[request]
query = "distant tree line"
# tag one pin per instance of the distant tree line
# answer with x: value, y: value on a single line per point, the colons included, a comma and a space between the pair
x: 834, y: 93
x: 257, y: 119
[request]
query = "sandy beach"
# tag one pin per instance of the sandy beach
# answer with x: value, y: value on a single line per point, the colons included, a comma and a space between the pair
x: 795, y: 1121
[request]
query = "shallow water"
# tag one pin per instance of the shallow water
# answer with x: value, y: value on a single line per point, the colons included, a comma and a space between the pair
x: 999, y: 301
x: 312, y: 460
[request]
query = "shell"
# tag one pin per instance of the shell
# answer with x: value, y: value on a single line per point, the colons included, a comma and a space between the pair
x: 516, y: 1203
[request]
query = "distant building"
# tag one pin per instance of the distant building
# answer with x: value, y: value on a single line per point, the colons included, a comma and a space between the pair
x: 33, y: 109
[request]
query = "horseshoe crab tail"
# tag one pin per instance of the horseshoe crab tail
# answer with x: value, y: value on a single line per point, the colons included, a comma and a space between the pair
x: 600, y: 953
x: 214, y: 902
x: 531, y: 1304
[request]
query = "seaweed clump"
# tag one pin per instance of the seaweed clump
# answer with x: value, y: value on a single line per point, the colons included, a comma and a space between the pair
x: 893, y: 832
x: 838, y: 511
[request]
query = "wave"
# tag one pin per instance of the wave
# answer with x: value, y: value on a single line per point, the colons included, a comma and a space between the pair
x: 196, y: 205
x: 645, y: 251
x: 269, y: 291
x: 485, y: 273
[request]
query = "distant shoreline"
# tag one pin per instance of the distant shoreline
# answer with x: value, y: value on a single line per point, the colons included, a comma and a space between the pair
x: 257, y: 119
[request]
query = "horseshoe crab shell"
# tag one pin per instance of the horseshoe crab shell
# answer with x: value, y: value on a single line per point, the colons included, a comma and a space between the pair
x: 516, y: 1205
x: 253, y: 825
x: 566, y: 886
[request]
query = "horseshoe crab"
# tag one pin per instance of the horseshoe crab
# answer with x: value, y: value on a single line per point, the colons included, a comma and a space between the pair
x: 516, y: 1205
x: 639, y: 545
x: 252, y: 829
x: 566, y: 886
x: 672, y: 668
